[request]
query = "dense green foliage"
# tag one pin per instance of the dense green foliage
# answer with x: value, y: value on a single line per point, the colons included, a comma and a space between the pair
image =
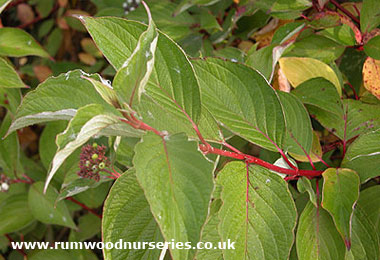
x: 250, y: 121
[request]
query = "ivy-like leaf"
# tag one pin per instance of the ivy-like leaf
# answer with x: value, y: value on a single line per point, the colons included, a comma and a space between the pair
x: 127, y: 216
x: 177, y: 181
x: 340, y: 193
x: 262, y: 221
x: 241, y: 100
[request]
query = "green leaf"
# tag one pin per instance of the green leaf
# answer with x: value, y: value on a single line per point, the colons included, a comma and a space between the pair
x: 304, y: 185
x: 131, y: 79
x: 299, y: 135
x: 87, y: 122
x: 48, y: 147
x: 44, y: 208
x: 127, y: 216
x: 363, y: 156
x: 177, y: 182
x: 8, y: 76
x: 3, y: 4
x: 369, y: 202
x: 10, y: 98
x: 54, y: 100
x: 210, y: 233
x: 321, y: 93
x: 186, y: 4
x: 15, y: 42
x: 240, y: 99
x: 105, y: 91
x: 79, y: 185
x: 263, y: 225
x: 369, y: 15
x: 88, y: 226
x: 285, y: 32
x: 372, y: 47
x: 317, y: 47
x: 317, y: 237
x: 14, y: 213
x: 9, y: 150
x: 172, y: 86
x: 359, y: 118
x: 365, y: 239
x: 125, y: 150
x: 298, y: 70
x: 340, y: 193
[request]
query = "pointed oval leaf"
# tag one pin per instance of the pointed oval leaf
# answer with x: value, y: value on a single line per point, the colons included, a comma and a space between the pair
x: 261, y: 222
x: 372, y: 47
x: 54, y: 100
x: 317, y: 237
x: 340, y: 193
x: 44, y: 208
x: 363, y: 156
x: 86, y: 123
x: 298, y: 70
x: 177, y: 182
x: 172, y: 78
x: 241, y: 100
x: 8, y: 76
x: 299, y: 134
x: 127, y: 216
x: 15, y: 42
x: 369, y: 15
x: 365, y: 239
x: 131, y: 79
x: 15, y: 213
x: 304, y: 185
x: 371, y: 76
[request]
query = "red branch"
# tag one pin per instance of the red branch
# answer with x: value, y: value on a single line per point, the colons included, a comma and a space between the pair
x: 251, y: 159
x: 345, y: 11
x: 84, y: 207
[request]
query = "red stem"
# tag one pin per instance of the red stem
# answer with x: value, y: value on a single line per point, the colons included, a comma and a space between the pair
x: 345, y: 11
x: 84, y: 207
x: 18, y: 249
x: 251, y: 159
x: 353, y: 90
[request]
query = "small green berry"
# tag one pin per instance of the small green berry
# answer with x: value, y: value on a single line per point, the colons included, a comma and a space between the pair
x: 88, y: 163
x: 95, y: 156
x: 94, y: 167
x: 94, y: 145
x: 102, y: 165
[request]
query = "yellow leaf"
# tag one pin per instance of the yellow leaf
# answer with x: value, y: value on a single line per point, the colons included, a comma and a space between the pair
x: 298, y: 70
x: 371, y: 76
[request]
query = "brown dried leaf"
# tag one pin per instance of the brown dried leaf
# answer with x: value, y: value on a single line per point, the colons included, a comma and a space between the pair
x: 25, y: 13
x: 42, y: 72
x: 371, y: 76
x: 87, y: 58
